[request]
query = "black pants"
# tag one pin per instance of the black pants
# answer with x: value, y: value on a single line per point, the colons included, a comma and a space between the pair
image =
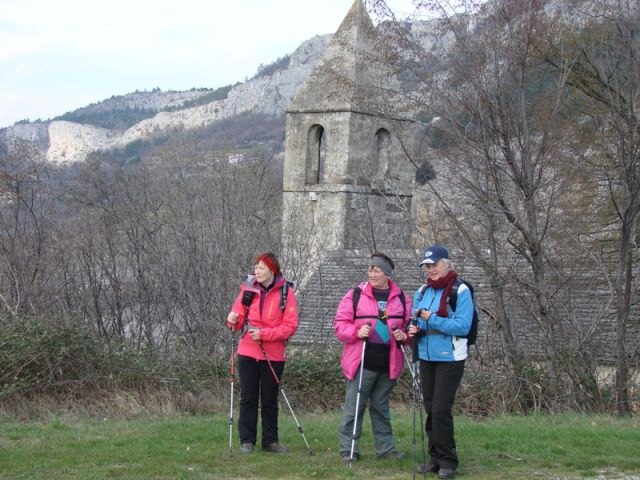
x: 257, y: 382
x: 440, y: 381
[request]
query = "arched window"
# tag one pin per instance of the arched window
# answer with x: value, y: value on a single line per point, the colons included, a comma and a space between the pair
x: 316, y: 152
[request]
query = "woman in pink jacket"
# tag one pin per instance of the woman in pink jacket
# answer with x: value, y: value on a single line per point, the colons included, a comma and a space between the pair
x: 267, y: 312
x: 379, y: 318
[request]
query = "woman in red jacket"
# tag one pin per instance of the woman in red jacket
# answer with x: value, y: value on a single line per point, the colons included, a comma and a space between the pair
x: 268, y: 317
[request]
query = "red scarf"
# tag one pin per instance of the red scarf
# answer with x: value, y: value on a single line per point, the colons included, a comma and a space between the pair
x: 445, y: 282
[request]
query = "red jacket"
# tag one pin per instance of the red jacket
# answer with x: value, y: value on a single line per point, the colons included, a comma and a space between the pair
x: 276, y: 325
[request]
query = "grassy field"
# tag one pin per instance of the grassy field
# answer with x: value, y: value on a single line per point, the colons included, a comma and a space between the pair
x: 532, y: 447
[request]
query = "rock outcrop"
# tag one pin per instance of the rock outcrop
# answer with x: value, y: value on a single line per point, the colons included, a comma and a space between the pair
x: 70, y: 142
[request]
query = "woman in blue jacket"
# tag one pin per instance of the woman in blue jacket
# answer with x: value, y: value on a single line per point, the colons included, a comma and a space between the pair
x: 442, y: 350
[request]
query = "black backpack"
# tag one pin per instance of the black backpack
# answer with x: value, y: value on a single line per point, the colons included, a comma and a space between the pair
x: 453, y: 300
x: 284, y: 291
x: 356, y: 299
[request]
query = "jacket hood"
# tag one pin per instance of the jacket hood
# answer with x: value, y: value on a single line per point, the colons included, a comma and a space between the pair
x: 252, y: 284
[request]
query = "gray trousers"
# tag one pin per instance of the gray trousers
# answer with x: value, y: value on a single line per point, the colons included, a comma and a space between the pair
x: 376, y: 388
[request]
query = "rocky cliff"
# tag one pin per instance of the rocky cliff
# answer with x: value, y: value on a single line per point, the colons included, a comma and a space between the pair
x: 65, y: 141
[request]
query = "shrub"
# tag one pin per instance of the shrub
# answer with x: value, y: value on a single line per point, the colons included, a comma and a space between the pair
x: 35, y: 358
x: 66, y: 367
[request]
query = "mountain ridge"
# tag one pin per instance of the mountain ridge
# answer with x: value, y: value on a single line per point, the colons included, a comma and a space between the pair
x: 66, y: 141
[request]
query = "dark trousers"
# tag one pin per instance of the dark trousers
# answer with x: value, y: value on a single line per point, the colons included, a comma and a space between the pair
x: 440, y: 381
x: 257, y: 383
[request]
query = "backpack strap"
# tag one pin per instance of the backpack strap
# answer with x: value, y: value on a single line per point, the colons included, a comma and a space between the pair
x: 421, y: 291
x: 356, y: 299
x: 404, y: 304
x: 453, y: 294
x: 357, y: 292
x: 453, y: 300
x: 284, y: 292
x: 247, y: 298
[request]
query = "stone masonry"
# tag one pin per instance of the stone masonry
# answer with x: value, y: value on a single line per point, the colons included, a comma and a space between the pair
x: 348, y: 184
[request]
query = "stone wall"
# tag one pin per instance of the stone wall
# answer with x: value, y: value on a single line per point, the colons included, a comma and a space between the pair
x: 589, y: 314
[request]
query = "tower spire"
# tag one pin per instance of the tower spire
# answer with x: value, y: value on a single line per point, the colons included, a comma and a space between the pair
x: 347, y: 76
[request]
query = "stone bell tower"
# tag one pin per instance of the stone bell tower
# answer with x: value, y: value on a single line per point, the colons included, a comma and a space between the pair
x: 347, y: 181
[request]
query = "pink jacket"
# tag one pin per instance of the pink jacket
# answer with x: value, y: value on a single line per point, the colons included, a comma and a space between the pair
x: 276, y: 326
x: 346, y: 327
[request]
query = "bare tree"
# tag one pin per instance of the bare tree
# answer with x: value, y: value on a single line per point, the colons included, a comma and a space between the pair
x: 601, y: 58
x: 27, y: 209
x: 499, y: 140
x: 153, y: 253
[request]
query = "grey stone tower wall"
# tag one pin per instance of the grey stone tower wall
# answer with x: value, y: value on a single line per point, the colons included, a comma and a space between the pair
x: 361, y: 196
x: 377, y: 221
x: 336, y: 127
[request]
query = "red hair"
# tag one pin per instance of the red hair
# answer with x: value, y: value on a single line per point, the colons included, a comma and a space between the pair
x: 270, y: 260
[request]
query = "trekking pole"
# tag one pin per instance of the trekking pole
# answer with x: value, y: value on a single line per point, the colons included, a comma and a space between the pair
x: 417, y: 383
x: 355, y: 416
x: 232, y: 379
x: 413, y: 420
x: 422, y: 424
x: 275, y: 377
x: 414, y: 387
x: 415, y: 380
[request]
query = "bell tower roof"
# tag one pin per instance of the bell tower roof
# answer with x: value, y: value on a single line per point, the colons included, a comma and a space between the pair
x: 347, y: 77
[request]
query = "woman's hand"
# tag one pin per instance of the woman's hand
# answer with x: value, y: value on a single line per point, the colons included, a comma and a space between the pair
x: 399, y: 335
x: 364, y: 331
x: 232, y: 319
x: 413, y: 330
x: 254, y: 332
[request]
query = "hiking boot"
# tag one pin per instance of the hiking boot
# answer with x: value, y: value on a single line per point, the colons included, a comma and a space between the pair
x: 446, y: 472
x: 275, y: 448
x: 392, y: 455
x: 428, y: 468
x: 346, y: 457
x: 247, y: 448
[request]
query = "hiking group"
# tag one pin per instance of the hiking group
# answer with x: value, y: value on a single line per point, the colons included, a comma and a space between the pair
x: 377, y: 323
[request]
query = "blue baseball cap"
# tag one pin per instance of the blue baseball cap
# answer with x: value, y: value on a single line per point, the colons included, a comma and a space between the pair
x: 434, y: 254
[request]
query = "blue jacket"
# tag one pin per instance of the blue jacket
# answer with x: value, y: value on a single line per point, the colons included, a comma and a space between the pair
x: 444, y: 346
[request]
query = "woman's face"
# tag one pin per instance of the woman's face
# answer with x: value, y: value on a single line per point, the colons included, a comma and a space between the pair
x: 264, y: 275
x: 377, y: 278
x: 436, y: 271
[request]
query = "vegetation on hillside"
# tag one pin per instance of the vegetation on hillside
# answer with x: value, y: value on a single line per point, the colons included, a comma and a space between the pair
x: 119, y: 118
x: 117, y: 113
x: 212, y: 96
x: 266, y: 70
x: 238, y: 135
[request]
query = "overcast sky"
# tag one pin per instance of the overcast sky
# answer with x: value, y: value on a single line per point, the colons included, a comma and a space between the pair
x: 56, y: 56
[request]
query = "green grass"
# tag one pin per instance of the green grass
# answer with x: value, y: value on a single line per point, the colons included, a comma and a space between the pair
x: 514, y: 447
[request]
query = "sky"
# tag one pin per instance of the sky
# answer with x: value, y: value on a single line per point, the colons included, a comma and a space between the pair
x: 57, y: 56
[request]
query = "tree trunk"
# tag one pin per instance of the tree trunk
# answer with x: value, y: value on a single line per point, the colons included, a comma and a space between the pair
x: 623, y: 296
